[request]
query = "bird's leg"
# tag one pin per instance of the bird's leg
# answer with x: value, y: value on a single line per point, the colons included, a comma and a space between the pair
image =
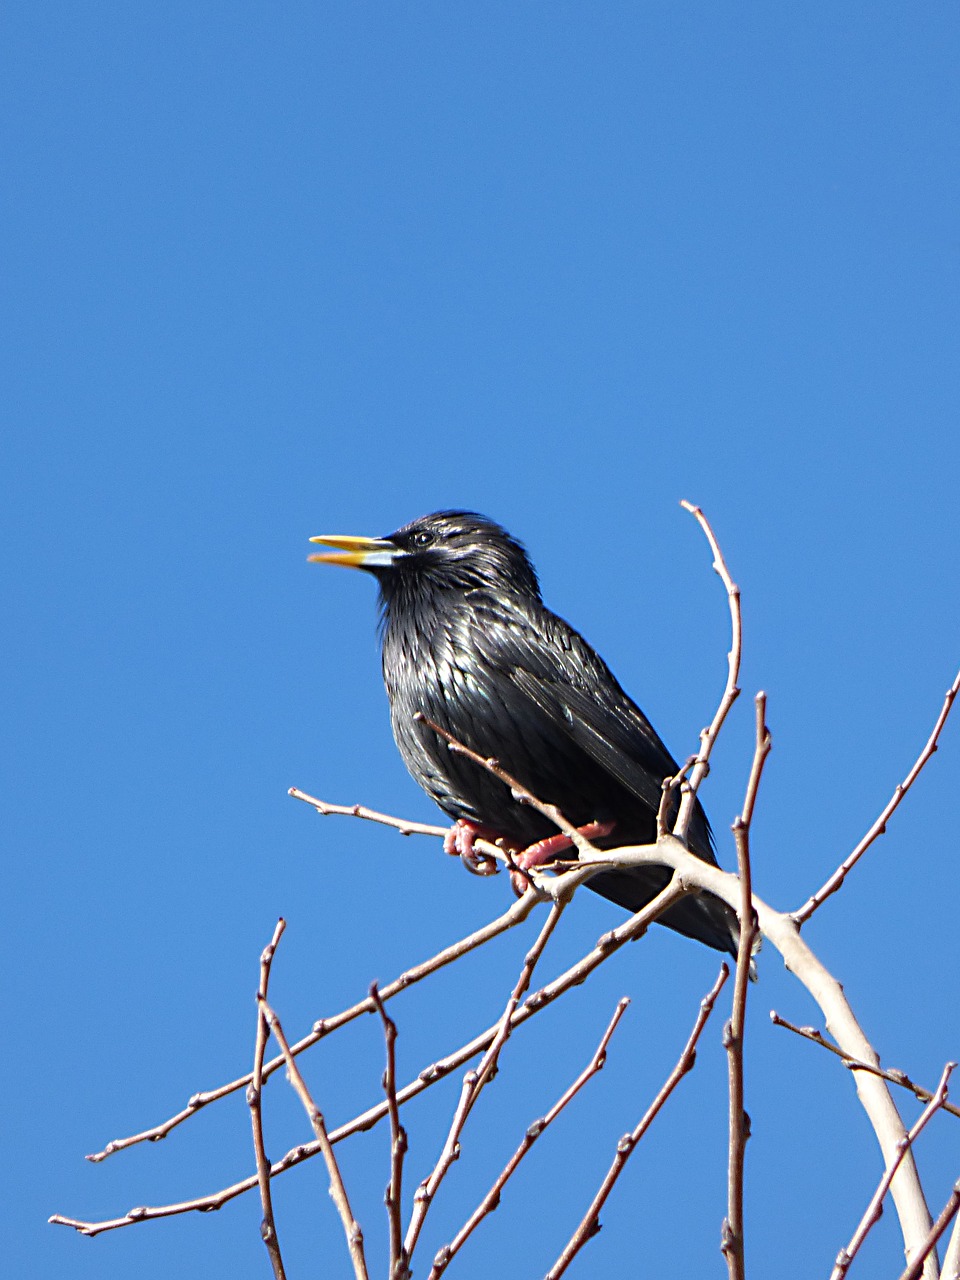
x: 459, y: 842
x: 535, y: 855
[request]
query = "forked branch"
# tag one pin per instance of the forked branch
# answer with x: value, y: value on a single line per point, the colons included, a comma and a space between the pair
x: 888, y: 1073
x: 338, y: 1192
x: 708, y: 737
x: 731, y: 1238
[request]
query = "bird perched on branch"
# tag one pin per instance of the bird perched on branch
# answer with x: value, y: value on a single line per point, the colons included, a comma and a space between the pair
x: 469, y: 645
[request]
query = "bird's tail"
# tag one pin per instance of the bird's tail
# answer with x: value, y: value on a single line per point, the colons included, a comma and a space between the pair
x: 710, y: 921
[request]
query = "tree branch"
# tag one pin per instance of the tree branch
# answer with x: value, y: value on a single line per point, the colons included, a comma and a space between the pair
x: 731, y: 692
x: 888, y: 1073
x: 831, y: 886
x: 370, y: 815
x: 732, y: 1237
x: 268, y: 1226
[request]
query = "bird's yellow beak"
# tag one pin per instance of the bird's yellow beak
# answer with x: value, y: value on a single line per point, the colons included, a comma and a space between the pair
x: 356, y: 553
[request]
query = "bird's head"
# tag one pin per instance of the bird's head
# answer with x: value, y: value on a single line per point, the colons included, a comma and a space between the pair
x: 448, y: 550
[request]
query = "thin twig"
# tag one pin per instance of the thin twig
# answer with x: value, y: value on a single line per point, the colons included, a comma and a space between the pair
x: 731, y: 692
x: 610, y: 942
x: 398, y: 1144
x: 473, y: 1084
x: 516, y: 914
x: 888, y: 1073
x: 875, y: 1207
x: 520, y: 792
x: 732, y: 1233
x: 946, y: 1216
x: 371, y: 815
x: 338, y: 1191
x: 491, y: 1200
x: 268, y: 1226
x: 879, y: 827
x: 590, y: 1223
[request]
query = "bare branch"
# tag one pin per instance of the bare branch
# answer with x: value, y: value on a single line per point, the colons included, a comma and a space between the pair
x: 491, y: 1200
x: 590, y: 1223
x: 731, y: 692
x: 473, y: 1084
x: 268, y: 1226
x: 888, y: 1073
x: 732, y: 1240
x: 875, y: 1207
x: 338, y: 1191
x: 515, y: 915
x: 371, y: 815
x: 610, y: 942
x: 879, y: 827
x: 398, y: 1144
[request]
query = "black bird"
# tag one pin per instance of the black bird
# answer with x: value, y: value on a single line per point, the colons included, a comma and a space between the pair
x: 468, y: 643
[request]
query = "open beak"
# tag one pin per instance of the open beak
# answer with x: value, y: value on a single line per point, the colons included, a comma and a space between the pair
x: 357, y: 553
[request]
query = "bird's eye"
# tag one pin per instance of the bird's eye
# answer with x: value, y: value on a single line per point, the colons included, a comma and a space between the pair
x: 423, y: 538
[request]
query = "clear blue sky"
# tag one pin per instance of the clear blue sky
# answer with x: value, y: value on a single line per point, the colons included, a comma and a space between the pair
x: 273, y: 271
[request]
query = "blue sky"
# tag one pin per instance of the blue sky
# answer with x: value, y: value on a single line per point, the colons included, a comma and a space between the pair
x: 272, y: 272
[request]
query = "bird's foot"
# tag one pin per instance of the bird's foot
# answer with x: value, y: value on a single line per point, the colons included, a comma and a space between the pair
x: 535, y: 855
x: 459, y: 842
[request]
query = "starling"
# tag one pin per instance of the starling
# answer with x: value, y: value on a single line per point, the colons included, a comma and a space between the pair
x: 469, y: 645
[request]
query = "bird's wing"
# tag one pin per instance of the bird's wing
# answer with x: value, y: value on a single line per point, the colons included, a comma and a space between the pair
x: 572, y: 686
x: 624, y: 745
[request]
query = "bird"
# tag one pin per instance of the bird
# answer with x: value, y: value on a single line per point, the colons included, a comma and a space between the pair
x: 468, y: 644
